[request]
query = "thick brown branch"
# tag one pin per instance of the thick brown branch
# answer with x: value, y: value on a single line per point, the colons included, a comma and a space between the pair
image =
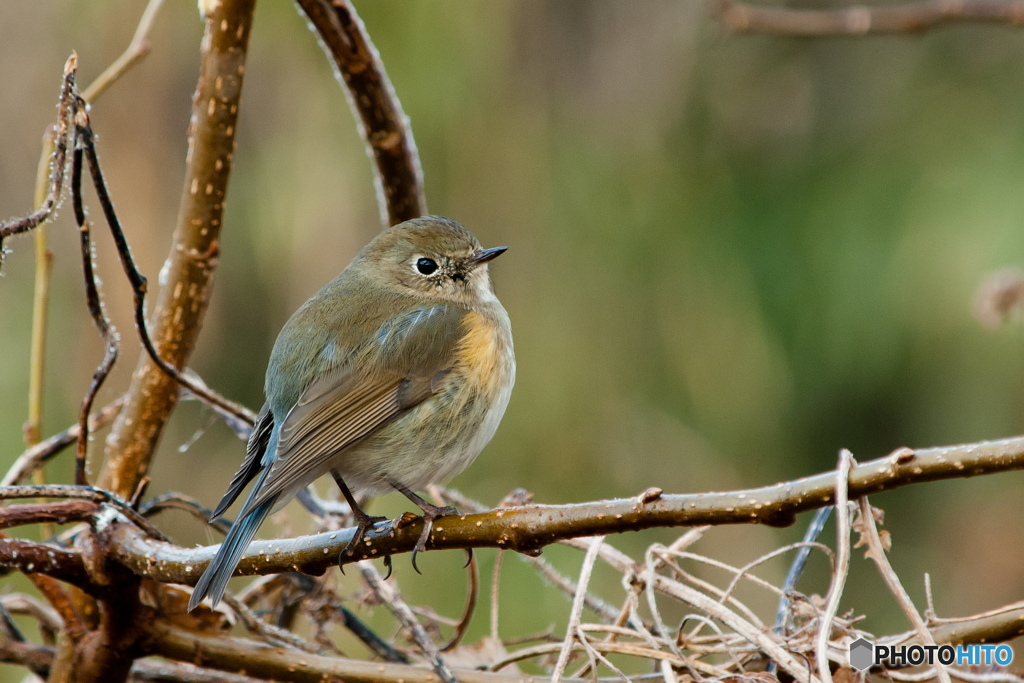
x: 190, y: 266
x: 398, y: 177
x: 43, y: 558
x: 236, y: 654
x: 39, y: 658
x: 529, y: 528
x: 861, y: 20
x: 40, y: 513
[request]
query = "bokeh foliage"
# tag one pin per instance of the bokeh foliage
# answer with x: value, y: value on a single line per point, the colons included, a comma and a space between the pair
x: 730, y: 255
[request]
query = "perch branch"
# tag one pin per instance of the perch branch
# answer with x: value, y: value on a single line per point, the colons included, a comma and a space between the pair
x: 860, y: 20
x: 397, y: 176
x: 528, y: 528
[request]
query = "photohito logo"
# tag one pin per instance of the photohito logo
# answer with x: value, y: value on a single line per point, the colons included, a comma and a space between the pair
x: 865, y: 654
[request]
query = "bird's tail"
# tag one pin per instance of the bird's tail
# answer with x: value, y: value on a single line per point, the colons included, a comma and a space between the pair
x: 215, y: 579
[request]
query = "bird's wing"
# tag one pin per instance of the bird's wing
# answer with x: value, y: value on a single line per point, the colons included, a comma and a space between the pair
x: 258, y: 439
x: 400, y: 368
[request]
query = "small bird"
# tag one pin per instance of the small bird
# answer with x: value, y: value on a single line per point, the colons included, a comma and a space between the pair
x: 395, y: 375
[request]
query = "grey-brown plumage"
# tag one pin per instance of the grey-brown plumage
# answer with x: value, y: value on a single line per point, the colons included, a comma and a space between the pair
x: 394, y: 375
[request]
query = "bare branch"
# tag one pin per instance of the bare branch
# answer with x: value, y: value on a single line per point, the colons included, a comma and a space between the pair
x: 842, y: 566
x: 39, y: 658
x: 37, y: 455
x: 397, y: 176
x: 876, y: 551
x: 389, y: 596
x: 111, y: 338
x: 83, y: 493
x: 137, y: 49
x: 195, y: 245
x: 47, y: 513
x: 531, y: 527
x: 58, y: 165
x: 860, y: 20
x: 237, y: 654
x: 31, y: 557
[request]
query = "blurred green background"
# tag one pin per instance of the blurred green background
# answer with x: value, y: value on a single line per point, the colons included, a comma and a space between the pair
x: 730, y: 256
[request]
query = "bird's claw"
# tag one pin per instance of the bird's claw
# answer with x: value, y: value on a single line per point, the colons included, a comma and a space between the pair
x: 429, y: 515
x: 364, y: 523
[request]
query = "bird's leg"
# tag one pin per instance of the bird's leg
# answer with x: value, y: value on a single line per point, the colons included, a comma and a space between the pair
x: 430, y: 513
x: 363, y: 520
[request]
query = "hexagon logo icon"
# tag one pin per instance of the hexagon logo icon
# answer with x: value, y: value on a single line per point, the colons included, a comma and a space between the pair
x: 862, y: 654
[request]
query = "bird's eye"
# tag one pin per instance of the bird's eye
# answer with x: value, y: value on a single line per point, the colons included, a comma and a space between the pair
x: 426, y: 266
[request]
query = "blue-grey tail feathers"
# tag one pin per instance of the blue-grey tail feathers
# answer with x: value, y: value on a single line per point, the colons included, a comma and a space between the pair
x: 215, y: 579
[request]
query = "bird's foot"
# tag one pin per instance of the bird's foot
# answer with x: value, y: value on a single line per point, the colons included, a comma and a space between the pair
x: 430, y: 513
x: 363, y: 524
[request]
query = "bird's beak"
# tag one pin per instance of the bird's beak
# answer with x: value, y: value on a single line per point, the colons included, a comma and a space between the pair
x: 485, y: 255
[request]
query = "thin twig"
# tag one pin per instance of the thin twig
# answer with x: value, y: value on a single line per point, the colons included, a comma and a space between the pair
x: 572, y: 632
x: 364, y: 633
x: 33, y: 428
x: 111, y: 338
x: 173, y: 500
x: 140, y: 286
x: 796, y: 569
x: 390, y: 597
x: 472, y: 593
x: 57, y: 167
x: 397, y: 177
x: 33, y: 458
x: 860, y: 20
x: 267, y: 632
x: 495, y: 594
x: 568, y: 586
x: 136, y: 51
x: 712, y: 607
x: 877, y: 554
x: 842, y: 566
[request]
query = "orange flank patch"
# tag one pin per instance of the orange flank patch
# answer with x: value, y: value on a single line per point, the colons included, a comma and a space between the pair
x: 479, y: 349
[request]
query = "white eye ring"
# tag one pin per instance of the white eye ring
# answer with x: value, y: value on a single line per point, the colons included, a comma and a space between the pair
x: 426, y: 266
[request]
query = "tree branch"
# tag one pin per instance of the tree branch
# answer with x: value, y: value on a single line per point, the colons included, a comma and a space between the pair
x: 397, y: 177
x: 912, y: 17
x: 34, y: 457
x: 237, y: 654
x: 47, y: 513
x: 31, y: 557
x: 195, y: 246
x: 530, y: 527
